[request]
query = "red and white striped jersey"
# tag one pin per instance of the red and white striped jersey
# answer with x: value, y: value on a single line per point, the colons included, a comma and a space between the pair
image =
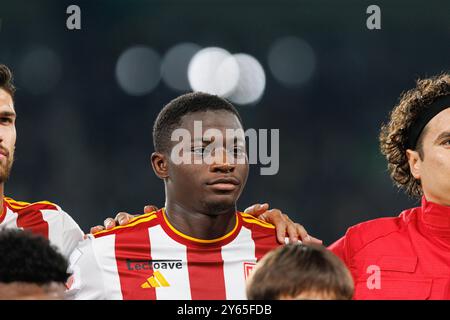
x: 43, y: 218
x: 150, y: 259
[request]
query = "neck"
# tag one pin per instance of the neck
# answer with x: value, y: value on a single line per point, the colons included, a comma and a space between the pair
x: 437, y: 199
x: 200, y: 224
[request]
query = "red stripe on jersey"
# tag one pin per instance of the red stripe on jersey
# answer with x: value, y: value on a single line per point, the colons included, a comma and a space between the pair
x: 265, y: 239
x: 206, y: 275
x: 30, y: 218
x: 3, y: 214
x: 134, y: 263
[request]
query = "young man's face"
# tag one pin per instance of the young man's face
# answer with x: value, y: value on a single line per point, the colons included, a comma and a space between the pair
x: 433, y: 169
x: 7, y: 134
x: 215, y: 186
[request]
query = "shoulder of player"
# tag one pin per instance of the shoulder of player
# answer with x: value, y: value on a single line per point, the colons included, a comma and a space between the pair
x: 256, y: 224
x: 147, y: 220
x: 369, y: 232
x: 22, y: 206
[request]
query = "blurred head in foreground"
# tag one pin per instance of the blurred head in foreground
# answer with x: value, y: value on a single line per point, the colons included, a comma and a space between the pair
x: 30, y: 268
x: 300, y: 272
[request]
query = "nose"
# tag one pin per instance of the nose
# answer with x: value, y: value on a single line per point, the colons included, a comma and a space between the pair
x: 221, y: 164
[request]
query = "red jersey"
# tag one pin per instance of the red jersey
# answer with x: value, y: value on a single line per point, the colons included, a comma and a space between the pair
x: 150, y: 259
x: 44, y: 218
x: 406, y: 257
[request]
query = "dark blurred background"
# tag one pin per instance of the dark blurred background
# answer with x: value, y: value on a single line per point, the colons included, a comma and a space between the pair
x: 84, y: 123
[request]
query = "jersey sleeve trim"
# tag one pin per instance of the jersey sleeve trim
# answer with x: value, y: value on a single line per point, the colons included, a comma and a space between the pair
x: 251, y: 219
x: 135, y: 221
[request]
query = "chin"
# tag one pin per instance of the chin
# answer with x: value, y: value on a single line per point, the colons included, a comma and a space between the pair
x: 221, y: 203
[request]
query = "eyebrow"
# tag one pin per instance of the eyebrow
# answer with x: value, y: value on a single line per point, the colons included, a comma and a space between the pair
x: 443, y: 135
x: 8, y: 114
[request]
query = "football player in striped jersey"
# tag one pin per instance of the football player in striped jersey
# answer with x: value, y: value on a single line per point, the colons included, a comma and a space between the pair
x: 198, y: 246
x: 44, y: 218
x: 48, y: 219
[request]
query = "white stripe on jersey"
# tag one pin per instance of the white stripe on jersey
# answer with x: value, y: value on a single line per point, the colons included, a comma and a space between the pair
x: 165, y: 248
x: 55, y: 228
x: 10, y: 220
x: 105, y: 253
x: 234, y: 254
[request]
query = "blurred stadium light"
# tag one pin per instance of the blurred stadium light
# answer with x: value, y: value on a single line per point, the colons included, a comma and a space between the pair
x: 292, y: 61
x: 238, y: 77
x: 252, y: 80
x: 40, y: 70
x: 174, y: 67
x: 138, y: 70
x: 207, y: 73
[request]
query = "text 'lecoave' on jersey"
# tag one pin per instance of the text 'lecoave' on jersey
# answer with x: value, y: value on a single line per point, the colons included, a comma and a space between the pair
x: 150, y: 259
x: 43, y: 218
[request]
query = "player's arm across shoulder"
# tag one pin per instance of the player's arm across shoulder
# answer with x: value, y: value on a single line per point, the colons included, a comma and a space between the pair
x: 86, y: 280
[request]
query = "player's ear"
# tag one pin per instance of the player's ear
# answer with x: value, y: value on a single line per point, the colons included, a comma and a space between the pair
x: 160, y: 165
x: 414, y: 162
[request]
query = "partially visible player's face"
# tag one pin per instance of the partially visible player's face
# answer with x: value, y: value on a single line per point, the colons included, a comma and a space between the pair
x: 31, y: 291
x: 7, y: 134
x: 212, y: 187
x: 434, y: 169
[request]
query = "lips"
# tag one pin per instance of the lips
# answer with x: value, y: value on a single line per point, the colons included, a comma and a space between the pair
x: 224, y: 183
x: 4, y: 152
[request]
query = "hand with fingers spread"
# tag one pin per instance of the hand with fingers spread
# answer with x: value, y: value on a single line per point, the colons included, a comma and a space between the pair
x: 121, y: 219
x: 283, y: 224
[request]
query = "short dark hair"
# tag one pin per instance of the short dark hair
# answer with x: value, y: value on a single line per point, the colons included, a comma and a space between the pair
x: 170, y: 116
x: 30, y: 258
x: 394, y: 135
x: 6, y: 80
x: 296, y: 268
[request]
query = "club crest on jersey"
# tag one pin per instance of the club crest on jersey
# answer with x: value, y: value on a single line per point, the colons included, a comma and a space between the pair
x: 248, y: 268
x: 155, y: 281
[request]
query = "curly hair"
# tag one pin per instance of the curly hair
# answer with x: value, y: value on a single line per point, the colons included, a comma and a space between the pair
x: 27, y: 257
x: 6, y: 80
x: 394, y: 135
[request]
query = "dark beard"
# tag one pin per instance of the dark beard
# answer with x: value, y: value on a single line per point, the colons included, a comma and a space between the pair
x: 6, y: 170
